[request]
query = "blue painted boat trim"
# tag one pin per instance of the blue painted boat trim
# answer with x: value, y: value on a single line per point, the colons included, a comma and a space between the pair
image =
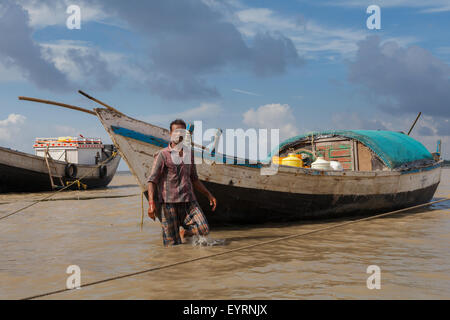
x: 162, y: 143
x: 140, y: 136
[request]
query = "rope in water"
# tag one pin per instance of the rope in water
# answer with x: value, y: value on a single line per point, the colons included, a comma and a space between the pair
x: 59, y: 190
x: 82, y: 198
x: 237, y: 249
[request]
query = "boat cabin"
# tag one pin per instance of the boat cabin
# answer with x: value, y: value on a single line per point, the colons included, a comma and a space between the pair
x: 77, y: 150
x: 356, y: 150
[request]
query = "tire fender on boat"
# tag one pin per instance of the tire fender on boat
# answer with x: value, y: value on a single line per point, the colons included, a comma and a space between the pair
x: 103, y: 171
x: 71, y: 171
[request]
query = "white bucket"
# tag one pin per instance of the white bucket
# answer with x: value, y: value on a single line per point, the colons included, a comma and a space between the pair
x: 336, y: 166
x: 321, y: 164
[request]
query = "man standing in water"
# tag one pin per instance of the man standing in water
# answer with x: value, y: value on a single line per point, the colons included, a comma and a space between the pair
x: 171, y: 184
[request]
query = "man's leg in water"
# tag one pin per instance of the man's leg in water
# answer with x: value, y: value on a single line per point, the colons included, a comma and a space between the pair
x: 195, y: 222
x: 170, y: 223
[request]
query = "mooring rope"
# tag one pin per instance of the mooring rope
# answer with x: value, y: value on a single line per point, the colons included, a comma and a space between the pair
x: 81, y: 198
x: 59, y: 190
x: 237, y: 249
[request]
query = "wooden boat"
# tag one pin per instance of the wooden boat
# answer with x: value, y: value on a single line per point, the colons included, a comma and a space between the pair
x: 23, y: 172
x: 384, y: 170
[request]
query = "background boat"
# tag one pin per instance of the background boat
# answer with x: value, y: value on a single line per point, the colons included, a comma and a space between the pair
x: 23, y: 172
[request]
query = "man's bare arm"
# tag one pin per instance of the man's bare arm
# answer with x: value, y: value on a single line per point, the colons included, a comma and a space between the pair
x: 151, y: 200
x: 199, y: 186
x: 155, y: 174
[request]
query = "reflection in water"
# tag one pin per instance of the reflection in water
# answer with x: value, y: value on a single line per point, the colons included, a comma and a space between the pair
x: 102, y: 236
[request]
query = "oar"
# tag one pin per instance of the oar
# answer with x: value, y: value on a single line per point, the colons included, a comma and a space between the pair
x: 58, y: 104
x: 99, y: 102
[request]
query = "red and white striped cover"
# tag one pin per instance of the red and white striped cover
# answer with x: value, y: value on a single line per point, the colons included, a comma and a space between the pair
x: 74, y: 142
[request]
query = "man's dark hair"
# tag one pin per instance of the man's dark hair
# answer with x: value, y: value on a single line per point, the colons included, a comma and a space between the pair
x: 177, y: 121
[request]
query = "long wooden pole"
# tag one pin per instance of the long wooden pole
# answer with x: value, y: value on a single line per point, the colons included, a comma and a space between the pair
x: 113, y: 109
x: 414, y: 123
x: 58, y: 104
x: 99, y: 102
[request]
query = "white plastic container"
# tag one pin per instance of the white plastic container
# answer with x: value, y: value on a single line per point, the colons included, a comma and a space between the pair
x: 336, y: 166
x: 321, y: 164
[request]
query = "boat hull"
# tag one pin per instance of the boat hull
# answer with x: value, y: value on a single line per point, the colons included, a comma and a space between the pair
x: 237, y: 205
x: 22, y: 172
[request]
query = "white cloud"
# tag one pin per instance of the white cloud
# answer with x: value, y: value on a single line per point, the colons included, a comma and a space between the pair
x: 310, y: 38
x: 12, y: 119
x: 11, y: 126
x: 272, y: 116
x: 84, y: 63
x: 263, y: 17
x: 56, y: 52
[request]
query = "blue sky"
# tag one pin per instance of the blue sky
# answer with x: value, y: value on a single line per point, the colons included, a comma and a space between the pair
x: 294, y: 65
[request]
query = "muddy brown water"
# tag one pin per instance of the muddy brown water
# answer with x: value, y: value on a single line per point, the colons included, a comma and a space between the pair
x: 102, y: 236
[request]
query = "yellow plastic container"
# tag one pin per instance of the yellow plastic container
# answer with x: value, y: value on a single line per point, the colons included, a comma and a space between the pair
x: 292, y: 160
x: 277, y: 160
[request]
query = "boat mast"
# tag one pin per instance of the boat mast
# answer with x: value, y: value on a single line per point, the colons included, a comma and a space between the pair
x: 418, y: 116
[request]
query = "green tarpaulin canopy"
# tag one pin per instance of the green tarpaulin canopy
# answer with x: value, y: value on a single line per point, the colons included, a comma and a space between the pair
x: 393, y: 148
